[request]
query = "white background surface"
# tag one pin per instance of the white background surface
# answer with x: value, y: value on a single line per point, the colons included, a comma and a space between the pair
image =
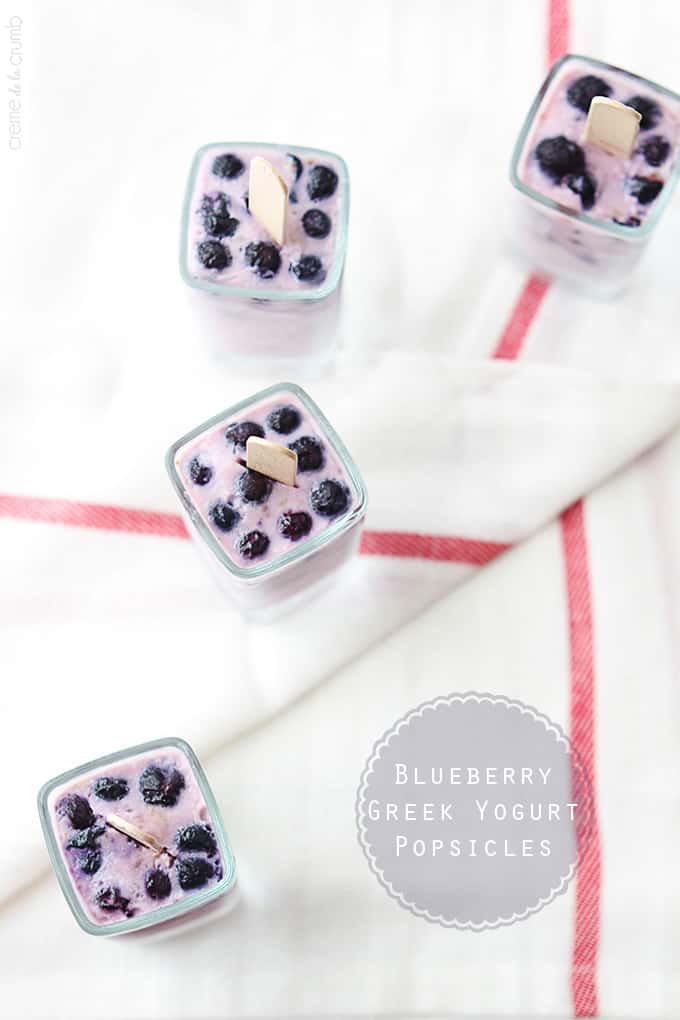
x: 109, y: 639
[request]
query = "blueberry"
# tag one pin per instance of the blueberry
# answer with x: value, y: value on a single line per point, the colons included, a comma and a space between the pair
x: 632, y: 221
x: 228, y: 166
x: 297, y: 165
x: 310, y: 453
x: 217, y: 202
x: 253, y: 486
x: 223, y: 516
x: 644, y: 189
x: 86, y: 839
x: 214, y: 255
x: 656, y: 150
x: 89, y: 861
x: 308, y: 269
x: 110, y: 788
x: 239, y: 432
x: 78, y: 811
x: 294, y: 525
x: 196, y: 837
x: 216, y: 219
x: 321, y: 183
x: 582, y: 92
x: 584, y: 186
x: 193, y: 872
x: 316, y: 223
x: 284, y: 419
x: 109, y: 898
x: 651, y: 112
x: 292, y: 197
x: 161, y: 785
x: 263, y: 258
x: 157, y: 884
x: 558, y: 157
x: 329, y: 498
x: 200, y: 474
x: 217, y: 225
x: 252, y: 545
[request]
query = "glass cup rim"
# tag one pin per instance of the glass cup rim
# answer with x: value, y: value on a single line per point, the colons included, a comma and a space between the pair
x: 153, y: 917
x: 318, y: 293
x: 607, y: 227
x: 309, y: 547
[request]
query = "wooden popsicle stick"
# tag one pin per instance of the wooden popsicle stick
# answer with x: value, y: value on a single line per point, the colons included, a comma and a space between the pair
x: 138, y: 835
x: 268, y: 198
x: 271, y: 459
x: 612, y: 126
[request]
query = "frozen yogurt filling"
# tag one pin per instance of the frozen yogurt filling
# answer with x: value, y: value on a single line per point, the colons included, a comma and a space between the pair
x: 226, y: 246
x: 584, y: 178
x: 154, y: 793
x: 253, y: 518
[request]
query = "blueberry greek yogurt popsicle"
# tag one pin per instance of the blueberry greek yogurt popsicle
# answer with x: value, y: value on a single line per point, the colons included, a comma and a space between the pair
x: 255, y: 518
x: 610, y: 188
x: 228, y: 248
x: 135, y: 835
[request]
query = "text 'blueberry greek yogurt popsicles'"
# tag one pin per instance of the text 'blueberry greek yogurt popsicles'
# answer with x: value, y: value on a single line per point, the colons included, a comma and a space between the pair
x: 136, y: 838
x: 596, y: 193
x: 272, y: 493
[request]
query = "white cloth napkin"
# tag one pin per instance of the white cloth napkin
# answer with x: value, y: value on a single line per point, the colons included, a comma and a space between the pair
x: 112, y: 638
x: 126, y: 637
x: 314, y: 933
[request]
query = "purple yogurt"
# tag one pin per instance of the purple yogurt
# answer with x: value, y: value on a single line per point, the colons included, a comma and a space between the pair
x: 257, y: 297
x: 113, y: 882
x: 268, y: 540
x: 589, y: 213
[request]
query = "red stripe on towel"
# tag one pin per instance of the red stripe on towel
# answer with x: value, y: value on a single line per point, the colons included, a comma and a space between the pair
x: 559, y: 30
x: 582, y: 711
x: 584, y: 989
x: 444, y: 548
x: 93, y: 515
x: 521, y: 318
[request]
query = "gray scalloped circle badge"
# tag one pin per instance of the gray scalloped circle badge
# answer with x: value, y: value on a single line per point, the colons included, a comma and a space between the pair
x: 473, y: 811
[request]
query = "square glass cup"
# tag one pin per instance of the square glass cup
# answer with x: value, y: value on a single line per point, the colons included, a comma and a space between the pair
x: 291, y: 325
x: 182, y: 910
x: 597, y: 255
x: 266, y: 589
